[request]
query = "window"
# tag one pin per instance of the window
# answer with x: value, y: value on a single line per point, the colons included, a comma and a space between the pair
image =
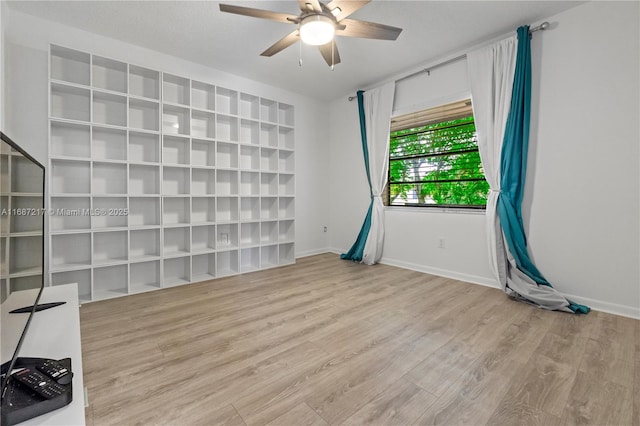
x: 434, y: 159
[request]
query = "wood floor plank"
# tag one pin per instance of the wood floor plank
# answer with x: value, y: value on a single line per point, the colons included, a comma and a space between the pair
x: 593, y: 401
x: 537, y: 394
x: 346, y: 391
x: 225, y: 416
x: 401, y: 404
x: 449, y: 363
x: 300, y: 415
x: 636, y: 380
x: 326, y: 341
x: 473, y: 400
x: 608, y: 354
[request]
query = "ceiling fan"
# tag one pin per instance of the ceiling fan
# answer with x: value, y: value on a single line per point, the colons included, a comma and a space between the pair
x: 318, y: 23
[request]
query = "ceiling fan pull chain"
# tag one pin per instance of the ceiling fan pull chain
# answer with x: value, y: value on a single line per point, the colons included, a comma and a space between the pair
x: 300, y: 55
x: 333, y: 53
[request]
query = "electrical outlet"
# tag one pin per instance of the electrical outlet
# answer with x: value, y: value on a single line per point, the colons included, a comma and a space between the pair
x: 324, y: 229
x: 441, y: 243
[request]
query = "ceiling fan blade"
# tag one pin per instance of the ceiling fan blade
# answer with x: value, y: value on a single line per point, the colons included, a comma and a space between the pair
x: 347, y: 7
x: 331, y: 58
x: 364, y: 29
x: 282, y: 44
x: 259, y: 13
x: 310, y: 6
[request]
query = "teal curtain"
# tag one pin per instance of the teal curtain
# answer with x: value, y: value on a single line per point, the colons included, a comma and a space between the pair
x: 514, y: 166
x: 357, y: 249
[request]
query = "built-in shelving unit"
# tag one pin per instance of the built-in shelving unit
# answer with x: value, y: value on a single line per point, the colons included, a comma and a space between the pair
x: 20, y: 222
x: 158, y: 180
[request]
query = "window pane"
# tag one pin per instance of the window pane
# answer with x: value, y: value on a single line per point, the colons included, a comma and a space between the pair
x: 469, y: 193
x: 445, y: 167
x: 454, y: 135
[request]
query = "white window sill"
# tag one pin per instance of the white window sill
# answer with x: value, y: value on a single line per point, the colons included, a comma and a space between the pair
x: 447, y: 210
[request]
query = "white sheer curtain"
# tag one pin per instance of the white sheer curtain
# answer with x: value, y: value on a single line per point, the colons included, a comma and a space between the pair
x: 491, y: 72
x: 378, y: 104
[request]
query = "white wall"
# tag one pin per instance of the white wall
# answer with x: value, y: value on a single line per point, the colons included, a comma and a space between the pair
x: 581, y: 207
x: 582, y: 204
x: 27, y: 42
x: 3, y: 25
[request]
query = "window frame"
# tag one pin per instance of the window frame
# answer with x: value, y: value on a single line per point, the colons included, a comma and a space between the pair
x: 457, y: 208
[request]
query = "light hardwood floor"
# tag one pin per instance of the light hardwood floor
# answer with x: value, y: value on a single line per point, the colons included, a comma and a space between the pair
x: 327, y: 341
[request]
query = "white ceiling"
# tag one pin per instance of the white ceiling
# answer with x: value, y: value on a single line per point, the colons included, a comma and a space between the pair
x: 199, y: 32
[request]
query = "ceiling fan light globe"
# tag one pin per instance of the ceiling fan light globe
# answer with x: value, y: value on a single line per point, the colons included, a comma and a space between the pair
x: 317, y: 30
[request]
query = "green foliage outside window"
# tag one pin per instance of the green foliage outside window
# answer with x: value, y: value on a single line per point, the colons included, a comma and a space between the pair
x: 437, y: 164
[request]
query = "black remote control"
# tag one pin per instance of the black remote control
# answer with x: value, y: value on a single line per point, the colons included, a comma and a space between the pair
x: 53, y: 369
x: 39, y: 383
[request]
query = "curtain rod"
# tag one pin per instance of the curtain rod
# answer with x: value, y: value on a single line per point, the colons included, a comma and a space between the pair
x: 540, y: 27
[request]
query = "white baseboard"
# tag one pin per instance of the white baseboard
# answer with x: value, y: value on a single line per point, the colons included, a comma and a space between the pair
x: 312, y: 252
x: 473, y: 279
x: 610, y: 308
x: 596, y: 305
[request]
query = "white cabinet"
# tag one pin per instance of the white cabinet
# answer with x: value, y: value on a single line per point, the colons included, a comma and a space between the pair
x: 160, y: 180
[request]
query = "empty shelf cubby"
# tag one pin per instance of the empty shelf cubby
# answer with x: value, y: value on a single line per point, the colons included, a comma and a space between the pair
x: 249, y: 259
x: 227, y: 263
x: 203, y: 124
x: 175, y: 89
x: 249, y: 209
x: 144, y: 147
x: 70, y: 65
x: 226, y: 101
x: 144, y: 115
x: 176, y: 210
x: 144, y: 276
x: 109, y: 178
x: 144, y: 211
x: 269, y: 208
x: 203, y: 153
x: 226, y: 209
x: 203, y: 182
x: 109, y: 74
x: 249, y: 132
x: 249, y: 106
x: 70, y: 140
x: 109, y: 247
x: 110, y: 281
x: 70, y: 102
x: 203, y: 238
x: 175, y: 181
x: 203, y: 210
x: 144, y: 180
x: 203, y: 96
x: 144, y: 244
x: 175, y: 120
x: 109, y: 108
x: 177, y: 271
x: 175, y: 150
x: 108, y: 144
x: 144, y: 82
x: 203, y: 267
x: 177, y: 241
x: 109, y: 212
x: 249, y: 234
